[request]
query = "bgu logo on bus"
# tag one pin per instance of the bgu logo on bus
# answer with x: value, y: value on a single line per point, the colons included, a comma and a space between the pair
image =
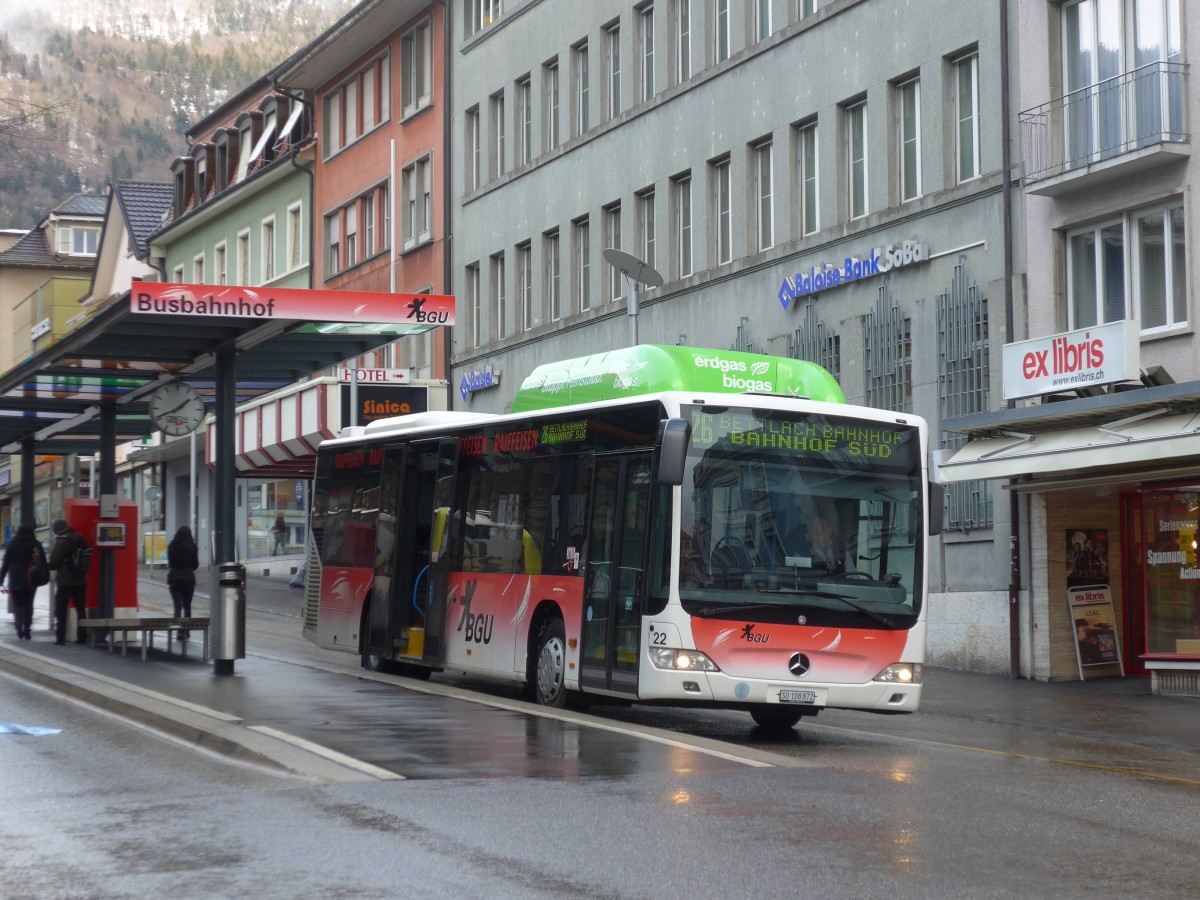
x: 1063, y: 357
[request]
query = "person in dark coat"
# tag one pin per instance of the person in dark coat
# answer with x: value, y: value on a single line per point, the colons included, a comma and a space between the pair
x: 183, y: 559
x: 17, y: 556
x: 71, y: 586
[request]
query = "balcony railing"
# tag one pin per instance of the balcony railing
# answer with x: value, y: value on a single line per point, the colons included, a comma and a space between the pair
x: 1119, y: 115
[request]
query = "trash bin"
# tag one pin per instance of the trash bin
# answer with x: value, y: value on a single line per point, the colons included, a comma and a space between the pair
x: 229, y: 613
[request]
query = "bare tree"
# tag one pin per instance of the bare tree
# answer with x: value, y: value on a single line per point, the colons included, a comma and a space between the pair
x: 28, y: 120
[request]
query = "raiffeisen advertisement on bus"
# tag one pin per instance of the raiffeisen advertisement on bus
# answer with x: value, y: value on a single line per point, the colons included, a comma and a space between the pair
x: 1089, y: 357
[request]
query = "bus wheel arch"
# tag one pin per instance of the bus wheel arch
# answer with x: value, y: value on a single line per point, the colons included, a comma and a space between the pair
x: 372, y: 662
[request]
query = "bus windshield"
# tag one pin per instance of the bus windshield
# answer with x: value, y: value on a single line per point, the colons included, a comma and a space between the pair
x: 801, y: 517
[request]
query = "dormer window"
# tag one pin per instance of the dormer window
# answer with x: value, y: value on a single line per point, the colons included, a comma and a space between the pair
x: 227, y: 142
x: 183, y: 171
x: 78, y: 240
x: 273, y: 108
x: 249, y: 126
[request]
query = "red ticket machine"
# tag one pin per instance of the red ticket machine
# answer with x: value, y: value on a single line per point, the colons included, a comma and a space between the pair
x: 117, y: 537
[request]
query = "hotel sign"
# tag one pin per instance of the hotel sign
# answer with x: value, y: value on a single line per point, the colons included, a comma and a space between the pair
x: 1089, y: 357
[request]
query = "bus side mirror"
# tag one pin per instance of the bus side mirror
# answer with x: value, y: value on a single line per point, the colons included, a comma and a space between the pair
x: 937, y: 503
x: 672, y: 454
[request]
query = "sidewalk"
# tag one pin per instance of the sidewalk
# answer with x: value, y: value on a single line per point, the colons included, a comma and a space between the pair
x: 182, y: 696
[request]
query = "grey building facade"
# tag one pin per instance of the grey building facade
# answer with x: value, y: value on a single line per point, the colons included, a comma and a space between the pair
x: 824, y: 180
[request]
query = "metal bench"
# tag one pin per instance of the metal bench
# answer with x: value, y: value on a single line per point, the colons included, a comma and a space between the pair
x: 146, y: 627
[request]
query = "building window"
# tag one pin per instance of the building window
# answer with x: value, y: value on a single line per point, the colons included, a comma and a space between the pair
x: 612, y: 40
x: 583, y: 264
x: 177, y: 274
x: 856, y: 158
x: 524, y: 89
x: 198, y: 269
x: 220, y: 274
x: 472, y: 147
x: 612, y: 240
x: 243, y: 257
x: 722, y: 212
x: 550, y: 252
x: 764, y: 196
x: 964, y: 388
x: 887, y: 334
x: 333, y: 243
x: 498, y: 136
x: 268, y: 249
x: 646, y: 40
x: 369, y: 247
x: 481, y: 14
x: 417, y: 198
x: 808, y: 8
x: 1153, y: 263
x: 681, y: 224
x: 76, y: 240
x: 721, y: 32
x: 295, y: 236
x: 683, y: 40
x: 550, y: 86
x: 646, y: 226
x: 908, y: 134
x: 350, y: 110
x: 350, y: 219
x: 475, y: 304
x: 525, y: 285
x: 966, y: 117
x: 806, y: 154
x: 499, y: 297
x: 416, y: 57
x: 762, y: 19
x: 579, y: 75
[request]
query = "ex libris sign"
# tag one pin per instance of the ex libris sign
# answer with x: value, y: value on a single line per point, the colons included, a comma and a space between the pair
x: 224, y: 301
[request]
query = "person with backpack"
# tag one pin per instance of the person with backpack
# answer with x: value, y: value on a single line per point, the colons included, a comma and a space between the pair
x: 25, y: 567
x: 70, y: 557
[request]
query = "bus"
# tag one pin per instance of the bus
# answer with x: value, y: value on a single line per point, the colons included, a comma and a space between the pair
x: 660, y: 524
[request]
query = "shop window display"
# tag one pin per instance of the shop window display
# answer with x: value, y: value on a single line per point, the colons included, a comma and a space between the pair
x: 1171, y: 523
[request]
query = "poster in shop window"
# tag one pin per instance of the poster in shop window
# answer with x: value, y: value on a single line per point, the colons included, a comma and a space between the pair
x: 1089, y: 598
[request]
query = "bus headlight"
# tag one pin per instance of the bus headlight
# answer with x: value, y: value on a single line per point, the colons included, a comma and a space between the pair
x: 681, y: 660
x: 900, y: 673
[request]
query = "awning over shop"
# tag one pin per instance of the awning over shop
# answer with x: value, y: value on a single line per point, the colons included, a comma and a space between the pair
x: 1149, y: 433
x: 278, y: 436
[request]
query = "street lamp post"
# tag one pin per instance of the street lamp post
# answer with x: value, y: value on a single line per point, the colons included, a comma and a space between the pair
x: 636, y: 272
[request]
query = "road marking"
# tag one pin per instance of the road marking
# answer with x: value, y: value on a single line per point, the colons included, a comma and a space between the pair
x: 332, y: 755
x: 1009, y: 754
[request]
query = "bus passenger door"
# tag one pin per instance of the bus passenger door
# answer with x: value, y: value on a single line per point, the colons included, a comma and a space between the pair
x: 446, y: 523
x: 616, y: 554
x: 397, y: 619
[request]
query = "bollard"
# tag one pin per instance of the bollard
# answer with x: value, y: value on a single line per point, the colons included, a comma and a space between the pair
x: 229, y: 613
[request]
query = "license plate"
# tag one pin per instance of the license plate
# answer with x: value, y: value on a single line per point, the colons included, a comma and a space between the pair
x: 808, y: 697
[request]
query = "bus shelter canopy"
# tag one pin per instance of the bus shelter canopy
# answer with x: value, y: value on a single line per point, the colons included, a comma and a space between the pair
x: 121, y: 354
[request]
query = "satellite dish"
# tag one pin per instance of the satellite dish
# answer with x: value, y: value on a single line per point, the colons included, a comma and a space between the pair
x: 634, y: 268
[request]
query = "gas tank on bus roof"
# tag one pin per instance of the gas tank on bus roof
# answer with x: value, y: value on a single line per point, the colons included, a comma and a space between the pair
x: 652, y: 368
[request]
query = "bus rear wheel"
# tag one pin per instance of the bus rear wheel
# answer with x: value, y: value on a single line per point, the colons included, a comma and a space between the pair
x: 776, y: 718
x: 550, y: 687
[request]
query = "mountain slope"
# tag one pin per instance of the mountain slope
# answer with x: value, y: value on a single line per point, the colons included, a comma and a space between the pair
x: 106, y: 89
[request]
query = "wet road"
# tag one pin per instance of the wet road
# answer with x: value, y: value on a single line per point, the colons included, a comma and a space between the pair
x: 995, y: 789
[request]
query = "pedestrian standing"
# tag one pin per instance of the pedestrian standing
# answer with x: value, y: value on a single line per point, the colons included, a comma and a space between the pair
x: 183, y: 559
x: 280, y: 530
x: 71, y: 582
x: 24, y: 558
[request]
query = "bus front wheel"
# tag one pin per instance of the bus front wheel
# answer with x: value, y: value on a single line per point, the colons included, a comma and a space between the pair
x: 550, y: 681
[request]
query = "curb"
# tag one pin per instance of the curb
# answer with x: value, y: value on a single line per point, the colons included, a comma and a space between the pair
x: 204, y: 728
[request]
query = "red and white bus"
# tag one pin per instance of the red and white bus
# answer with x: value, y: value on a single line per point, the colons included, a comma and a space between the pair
x: 661, y: 524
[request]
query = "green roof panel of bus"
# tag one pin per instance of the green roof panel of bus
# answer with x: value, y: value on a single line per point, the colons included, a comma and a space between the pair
x: 653, y: 368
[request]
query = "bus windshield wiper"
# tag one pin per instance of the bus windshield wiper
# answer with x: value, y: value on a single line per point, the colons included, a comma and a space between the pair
x: 831, y: 595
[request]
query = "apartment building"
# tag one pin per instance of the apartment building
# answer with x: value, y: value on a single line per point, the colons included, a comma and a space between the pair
x: 822, y: 180
x: 1100, y: 443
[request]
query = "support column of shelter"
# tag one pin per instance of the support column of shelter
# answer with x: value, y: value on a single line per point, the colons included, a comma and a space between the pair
x: 228, y: 620
x: 107, y: 571
x: 27, y: 485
